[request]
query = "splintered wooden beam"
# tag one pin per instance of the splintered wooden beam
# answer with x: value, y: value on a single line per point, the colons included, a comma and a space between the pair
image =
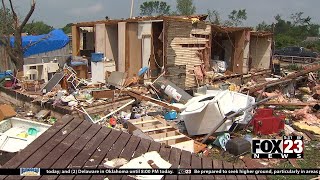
x: 146, y: 98
x: 157, y: 129
x: 145, y: 122
x: 286, y: 79
x: 291, y: 103
x: 107, y: 93
x: 170, y: 138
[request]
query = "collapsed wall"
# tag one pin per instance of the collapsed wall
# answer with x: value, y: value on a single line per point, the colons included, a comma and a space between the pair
x: 187, y: 52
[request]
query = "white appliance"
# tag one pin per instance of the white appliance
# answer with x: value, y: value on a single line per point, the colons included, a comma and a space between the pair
x: 204, y: 113
x: 40, y: 71
x: 16, y: 133
x: 99, y: 69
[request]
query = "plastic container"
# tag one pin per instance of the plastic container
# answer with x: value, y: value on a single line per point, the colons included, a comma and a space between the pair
x: 238, y: 146
x: 7, y: 73
x: 265, y: 123
x: 97, y: 57
x: 171, y: 115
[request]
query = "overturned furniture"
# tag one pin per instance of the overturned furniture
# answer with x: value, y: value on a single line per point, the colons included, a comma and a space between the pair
x: 159, y: 130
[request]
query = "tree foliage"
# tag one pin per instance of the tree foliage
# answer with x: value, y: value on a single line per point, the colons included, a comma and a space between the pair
x: 185, y: 7
x: 6, y: 21
x: 214, y: 17
x: 67, y: 28
x: 37, y: 28
x: 297, y: 19
x: 236, y: 18
x: 16, y: 51
x: 294, y: 31
x: 263, y: 26
x: 150, y: 8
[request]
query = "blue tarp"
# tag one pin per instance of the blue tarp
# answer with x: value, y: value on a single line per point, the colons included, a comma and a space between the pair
x: 55, y: 40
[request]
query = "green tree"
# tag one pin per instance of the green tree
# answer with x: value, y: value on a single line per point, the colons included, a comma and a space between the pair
x: 214, y: 17
x: 67, y: 29
x: 150, y: 8
x: 37, y: 28
x: 236, y: 18
x: 185, y: 7
x: 6, y: 25
x: 298, y: 19
x: 295, y: 31
x: 281, y: 25
x: 263, y: 26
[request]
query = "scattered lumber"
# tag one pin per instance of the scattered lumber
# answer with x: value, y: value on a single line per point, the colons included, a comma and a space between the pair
x: 159, y: 130
x: 146, y: 98
x: 291, y: 103
x: 286, y: 79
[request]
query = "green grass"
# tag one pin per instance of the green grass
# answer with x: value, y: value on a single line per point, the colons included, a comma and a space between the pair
x: 311, y: 160
x: 294, y: 67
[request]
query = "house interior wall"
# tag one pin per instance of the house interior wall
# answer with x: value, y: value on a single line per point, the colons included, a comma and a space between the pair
x: 90, y: 41
x: 75, y: 40
x: 239, y: 52
x: 228, y: 49
x: 133, y: 49
x: 121, y: 64
x: 112, y: 42
x: 223, y: 48
x: 246, y: 57
x: 260, y: 52
x: 87, y: 43
x: 100, y: 38
x: 156, y: 58
x: 144, y: 33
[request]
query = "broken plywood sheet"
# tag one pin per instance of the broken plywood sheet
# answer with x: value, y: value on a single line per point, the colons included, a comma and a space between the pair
x: 117, y: 79
x: 104, y: 93
x: 306, y: 127
x: 6, y: 111
x: 191, y: 40
x: 206, y: 31
x: 160, y: 131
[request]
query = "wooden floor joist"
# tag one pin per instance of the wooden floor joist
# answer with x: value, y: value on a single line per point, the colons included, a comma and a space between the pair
x: 146, y: 98
x: 157, y: 129
x: 170, y: 138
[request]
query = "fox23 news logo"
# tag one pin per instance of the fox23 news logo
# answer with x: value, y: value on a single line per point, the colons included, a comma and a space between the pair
x: 288, y: 147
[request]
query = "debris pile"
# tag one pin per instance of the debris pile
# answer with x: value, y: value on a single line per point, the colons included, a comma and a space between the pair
x: 221, y: 116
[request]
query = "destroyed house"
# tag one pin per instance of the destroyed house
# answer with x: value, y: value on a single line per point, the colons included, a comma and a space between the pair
x: 185, y: 47
x: 241, y: 49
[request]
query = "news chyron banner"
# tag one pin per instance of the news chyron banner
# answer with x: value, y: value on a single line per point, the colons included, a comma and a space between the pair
x: 133, y: 172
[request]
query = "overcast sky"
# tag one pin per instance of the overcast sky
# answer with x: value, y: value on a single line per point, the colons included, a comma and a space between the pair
x: 58, y: 13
